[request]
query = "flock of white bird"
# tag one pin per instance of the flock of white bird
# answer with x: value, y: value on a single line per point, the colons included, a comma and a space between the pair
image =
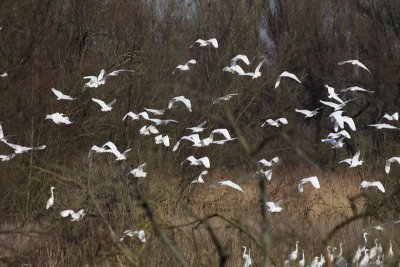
x: 334, y: 139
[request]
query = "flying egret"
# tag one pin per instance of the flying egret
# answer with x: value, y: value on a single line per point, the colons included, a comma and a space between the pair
x: 355, y: 63
x: 182, y: 99
x: 211, y: 41
x: 256, y: 73
x: 23, y: 149
x: 58, y: 118
x: 199, y: 128
x: 235, y: 69
x: 199, y: 179
x: 186, y: 66
x: 286, y: 74
x: 223, y: 132
x: 389, y: 162
x: 135, y: 116
x: 342, y: 133
x: 332, y: 94
x: 354, y: 161
x: 104, y: 107
x: 102, y: 149
x: 113, y: 149
x: 334, y: 143
x: 276, y: 123
x: 267, y: 174
x: 156, y: 111
x: 226, y: 183
x: 274, y: 206
x: 340, y: 120
x: 243, y: 58
x: 160, y: 139
x: 140, y: 234
x: 7, y: 157
x: 94, y: 81
x: 50, y: 202
x: 60, y: 95
x: 139, y: 171
x: 224, y: 98
x: 383, y: 126
x: 393, y: 117
x: 117, y: 72
x: 3, y: 75
x: 308, y: 113
x: 313, y: 180
x: 246, y: 258
x: 147, y: 130
x: 377, y: 184
x: 294, y: 254
x: 161, y: 122
x: 266, y: 163
x: 355, y: 89
x: 335, y: 106
x: 197, y: 162
x: 75, y: 216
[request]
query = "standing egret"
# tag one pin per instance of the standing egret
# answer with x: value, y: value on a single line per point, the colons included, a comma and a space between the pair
x: 294, y: 254
x: 246, y: 258
x: 50, y: 202
x: 365, y: 260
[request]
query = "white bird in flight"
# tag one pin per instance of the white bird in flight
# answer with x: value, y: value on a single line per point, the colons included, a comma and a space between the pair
x: 340, y: 120
x: 211, y: 41
x: 355, y: 89
x: 135, y: 116
x: 274, y: 206
x: 104, y: 107
x: 199, y: 179
x: 94, y: 81
x: 181, y: 99
x: 50, y: 202
x: 161, y: 122
x: 117, y: 72
x: 243, y: 58
x: 60, y: 95
x: 286, y: 74
x: 223, y: 132
x: 332, y: 94
x: 335, y: 106
x: 186, y: 66
x: 113, y: 149
x: 199, y: 128
x: 196, y: 162
x: 308, y: 113
x: 75, y: 216
x: 224, y: 98
x: 377, y: 184
x: 147, y: 130
x: 380, y: 126
x: 226, y: 183
x: 266, y: 163
x: 58, y: 118
x: 267, y: 174
x: 160, y: 139
x: 4, y: 74
x: 276, y: 123
x: 23, y: 149
x: 140, y: 234
x: 342, y: 133
x: 256, y: 73
x: 389, y: 163
x: 355, y: 63
x: 334, y: 143
x: 393, y: 117
x: 155, y: 111
x: 139, y: 171
x: 313, y: 180
x: 354, y: 161
x: 7, y: 157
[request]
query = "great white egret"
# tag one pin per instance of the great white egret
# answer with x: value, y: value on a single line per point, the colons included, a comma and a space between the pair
x: 355, y: 89
x: 50, y: 202
x: 383, y: 126
x: 199, y: 128
x: 286, y: 74
x: 160, y: 139
x: 147, y: 130
x: 342, y: 133
x: 308, y: 113
x: 293, y: 255
x: 7, y: 157
x: 226, y: 183
x: 246, y: 258
x: 243, y: 58
x: 58, y: 118
x: 256, y: 73
x: 390, y: 251
x: 60, y: 95
x: 186, y: 66
x: 276, y: 123
x: 135, y: 116
x: 23, y: 149
x: 140, y: 234
x: 302, y: 262
x: 354, y: 161
x: 212, y: 41
x: 332, y: 94
x: 393, y: 117
x: 274, y: 206
x: 354, y: 62
x: 377, y: 184
x: 334, y: 143
x: 104, y: 107
x: 155, y: 111
x: 389, y: 162
x: 313, y: 180
x: 199, y: 179
x: 197, y: 162
x: 181, y: 99
x: 111, y: 149
x: 224, y: 98
x: 335, y: 106
x: 139, y: 171
x: 223, y: 132
x: 267, y: 174
x: 96, y: 81
x: 365, y: 260
x: 266, y: 163
x: 75, y: 216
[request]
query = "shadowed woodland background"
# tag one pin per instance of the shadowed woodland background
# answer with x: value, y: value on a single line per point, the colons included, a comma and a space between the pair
x: 45, y: 44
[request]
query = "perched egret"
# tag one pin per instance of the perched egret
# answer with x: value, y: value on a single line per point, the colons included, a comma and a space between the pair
x: 226, y: 183
x: 354, y: 161
x: 50, y: 202
x: 355, y: 63
x: 313, y: 180
x: 377, y: 184
x: 286, y: 74
x: 60, y: 95
x: 58, y: 118
x: 104, y: 107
